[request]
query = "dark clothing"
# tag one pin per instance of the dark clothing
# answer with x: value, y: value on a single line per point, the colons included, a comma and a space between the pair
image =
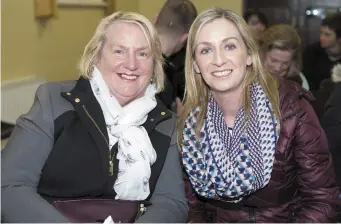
x: 316, y: 65
x: 331, y: 122
x: 59, y: 150
x: 321, y: 97
x: 174, y: 68
x: 302, y: 187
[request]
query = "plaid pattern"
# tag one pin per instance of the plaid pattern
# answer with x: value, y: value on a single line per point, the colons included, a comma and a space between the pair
x: 231, y: 166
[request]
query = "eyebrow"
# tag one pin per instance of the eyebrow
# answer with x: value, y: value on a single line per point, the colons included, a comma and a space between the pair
x: 224, y: 40
x: 126, y: 48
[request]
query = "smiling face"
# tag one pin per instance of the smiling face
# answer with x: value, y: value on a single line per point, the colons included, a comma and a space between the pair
x: 126, y: 61
x: 221, y: 56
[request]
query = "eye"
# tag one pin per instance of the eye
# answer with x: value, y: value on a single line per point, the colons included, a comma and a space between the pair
x: 143, y: 54
x: 117, y: 51
x: 205, y: 51
x: 230, y: 47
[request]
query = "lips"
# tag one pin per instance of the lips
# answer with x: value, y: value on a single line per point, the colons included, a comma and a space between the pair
x: 223, y: 73
x: 130, y: 77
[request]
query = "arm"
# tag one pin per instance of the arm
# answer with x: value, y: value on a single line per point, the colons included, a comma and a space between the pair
x: 315, y: 171
x: 331, y: 123
x: 22, y: 161
x: 169, y: 202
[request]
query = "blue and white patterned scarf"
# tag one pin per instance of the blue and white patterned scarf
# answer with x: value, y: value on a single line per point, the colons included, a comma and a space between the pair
x: 228, y: 167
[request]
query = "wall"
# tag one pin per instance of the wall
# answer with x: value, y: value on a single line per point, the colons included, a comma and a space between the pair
x: 52, y: 50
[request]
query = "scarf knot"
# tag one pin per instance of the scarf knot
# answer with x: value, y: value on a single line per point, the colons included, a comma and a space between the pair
x: 135, y: 151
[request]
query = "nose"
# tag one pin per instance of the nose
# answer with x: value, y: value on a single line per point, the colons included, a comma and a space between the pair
x: 219, y: 58
x: 131, y: 62
x: 277, y: 67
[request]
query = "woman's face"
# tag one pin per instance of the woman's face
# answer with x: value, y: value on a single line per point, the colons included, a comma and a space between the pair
x: 126, y: 61
x: 256, y: 26
x: 278, y: 61
x: 221, y: 56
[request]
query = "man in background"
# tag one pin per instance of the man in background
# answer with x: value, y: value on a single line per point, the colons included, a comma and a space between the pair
x: 173, y: 23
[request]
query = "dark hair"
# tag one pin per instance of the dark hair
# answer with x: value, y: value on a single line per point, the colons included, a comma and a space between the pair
x: 261, y: 16
x: 333, y: 22
x: 176, y: 16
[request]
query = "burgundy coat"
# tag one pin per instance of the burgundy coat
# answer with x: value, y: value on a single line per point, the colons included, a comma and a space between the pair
x: 302, y: 186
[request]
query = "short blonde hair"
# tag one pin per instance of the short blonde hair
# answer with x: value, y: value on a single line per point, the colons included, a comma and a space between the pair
x: 197, y: 92
x: 283, y: 37
x: 93, y: 49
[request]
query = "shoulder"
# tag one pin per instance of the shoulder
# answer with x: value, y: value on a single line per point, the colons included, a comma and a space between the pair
x: 292, y: 97
x: 49, y: 95
x: 168, y: 126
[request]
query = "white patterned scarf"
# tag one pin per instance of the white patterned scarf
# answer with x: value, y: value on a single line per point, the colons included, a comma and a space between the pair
x: 135, y: 151
x: 228, y: 167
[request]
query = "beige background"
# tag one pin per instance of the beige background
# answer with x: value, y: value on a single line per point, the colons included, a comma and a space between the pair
x: 51, y: 49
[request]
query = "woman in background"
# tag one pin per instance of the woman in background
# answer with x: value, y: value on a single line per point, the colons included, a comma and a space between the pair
x: 280, y: 49
x: 257, y: 23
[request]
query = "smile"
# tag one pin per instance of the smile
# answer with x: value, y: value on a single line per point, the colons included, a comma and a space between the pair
x: 130, y: 77
x: 222, y: 73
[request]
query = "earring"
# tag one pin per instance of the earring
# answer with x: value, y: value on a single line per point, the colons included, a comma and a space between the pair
x: 151, y: 81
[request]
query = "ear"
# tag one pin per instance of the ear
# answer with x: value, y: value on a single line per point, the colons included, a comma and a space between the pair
x: 155, y: 19
x: 249, y: 60
x: 196, y: 67
x: 183, y: 38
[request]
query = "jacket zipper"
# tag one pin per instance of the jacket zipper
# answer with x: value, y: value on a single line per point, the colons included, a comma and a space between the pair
x: 111, y: 157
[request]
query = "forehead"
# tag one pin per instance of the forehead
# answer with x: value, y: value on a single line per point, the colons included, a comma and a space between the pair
x: 123, y: 33
x: 218, y: 30
x: 254, y: 18
x: 326, y: 29
x: 280, y: 55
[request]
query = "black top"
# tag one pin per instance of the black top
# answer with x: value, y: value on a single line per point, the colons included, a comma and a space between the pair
x: 316, y: 65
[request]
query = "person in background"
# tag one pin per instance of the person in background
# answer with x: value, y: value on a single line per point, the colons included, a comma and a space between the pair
x: 257, y: 23
x: 102, y: 146
x: 280, y: 50
x: 251, y: 144
x: 172, y: 24
x: 331, y: 120
x: 319, y: 58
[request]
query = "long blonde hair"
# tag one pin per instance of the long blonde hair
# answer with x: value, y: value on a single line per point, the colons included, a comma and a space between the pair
x: 197, y: 92
x: 283, y: 37
x: 93, y: 49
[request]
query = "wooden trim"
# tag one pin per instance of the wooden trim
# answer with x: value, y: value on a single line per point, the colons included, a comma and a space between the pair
x: 82, y: 3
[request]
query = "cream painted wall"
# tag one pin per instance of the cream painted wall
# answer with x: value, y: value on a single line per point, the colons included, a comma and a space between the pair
x: 51, y: 51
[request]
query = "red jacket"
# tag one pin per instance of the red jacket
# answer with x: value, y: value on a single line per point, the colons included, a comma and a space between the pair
x: 302, y: 186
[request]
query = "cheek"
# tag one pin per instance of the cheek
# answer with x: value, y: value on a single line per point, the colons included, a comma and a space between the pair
x: 147, y: 67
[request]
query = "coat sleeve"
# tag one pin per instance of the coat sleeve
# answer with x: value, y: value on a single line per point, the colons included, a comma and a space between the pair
x: 168, y: 202
x: 22, y: 161
x: 315, y: 171
x: 196, y: 211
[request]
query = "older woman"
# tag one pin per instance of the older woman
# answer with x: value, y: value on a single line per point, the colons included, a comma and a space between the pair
x: 100, y: 146
x: 280, y: 49
x: 251, y: 144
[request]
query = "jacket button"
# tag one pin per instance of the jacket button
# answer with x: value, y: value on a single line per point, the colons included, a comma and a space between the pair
x: 77, y: 100
x: 163, y: 113
x: 69, y: 94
